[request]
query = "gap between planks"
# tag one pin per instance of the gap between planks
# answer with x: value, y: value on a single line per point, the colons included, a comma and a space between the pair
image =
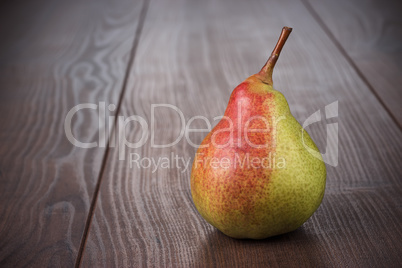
x: 339, y: 46
x: 137, y: 36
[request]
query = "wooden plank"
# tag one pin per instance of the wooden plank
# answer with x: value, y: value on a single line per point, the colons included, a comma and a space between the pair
x: 54, y: 56
x: 191, y: 55
x: 373, y: 40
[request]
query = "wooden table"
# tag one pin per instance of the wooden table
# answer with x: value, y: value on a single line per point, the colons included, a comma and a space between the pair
x: 62, y: 205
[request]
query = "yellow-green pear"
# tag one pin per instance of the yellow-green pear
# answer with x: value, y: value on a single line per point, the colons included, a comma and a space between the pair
x: 252, y: 176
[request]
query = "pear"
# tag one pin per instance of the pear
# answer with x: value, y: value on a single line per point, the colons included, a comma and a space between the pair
x: 252, y: 176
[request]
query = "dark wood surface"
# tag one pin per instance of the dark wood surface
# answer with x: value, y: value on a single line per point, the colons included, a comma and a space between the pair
x: 53, y: 56
x: 63, y: 206
x: 372, y: 43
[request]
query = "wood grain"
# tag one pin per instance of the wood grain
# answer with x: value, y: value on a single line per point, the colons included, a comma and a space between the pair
x: 53, y: 56
x: 373, y: 40
x: 191, y: 55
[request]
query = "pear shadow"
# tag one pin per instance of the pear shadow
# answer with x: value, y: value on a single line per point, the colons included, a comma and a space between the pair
x: 298, y: 234
x: 299, y: 247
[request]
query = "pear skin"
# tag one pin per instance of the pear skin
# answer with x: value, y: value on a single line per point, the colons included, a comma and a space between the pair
x: 252, y: 176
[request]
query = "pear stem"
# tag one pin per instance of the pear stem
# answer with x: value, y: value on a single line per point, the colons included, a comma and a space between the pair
x: 266, y: 72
